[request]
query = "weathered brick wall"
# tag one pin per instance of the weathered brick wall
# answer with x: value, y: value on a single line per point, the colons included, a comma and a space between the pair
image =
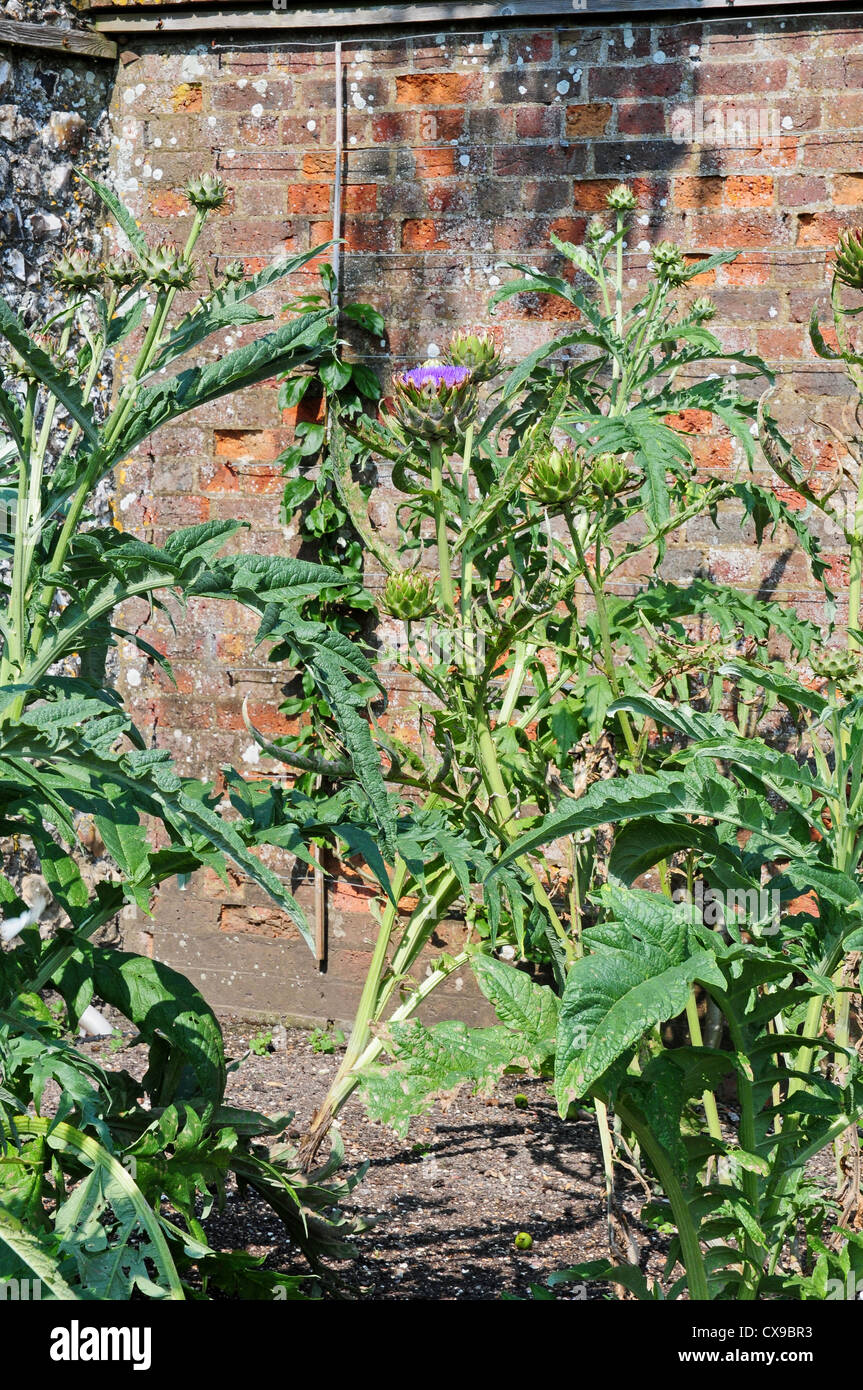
x: 463, y: 152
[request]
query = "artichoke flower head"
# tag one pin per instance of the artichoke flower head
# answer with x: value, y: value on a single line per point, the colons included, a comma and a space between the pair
x: 408, y: 595
x: 434, y: 402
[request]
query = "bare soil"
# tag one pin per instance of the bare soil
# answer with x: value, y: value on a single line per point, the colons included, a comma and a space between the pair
x: 448, y: 1201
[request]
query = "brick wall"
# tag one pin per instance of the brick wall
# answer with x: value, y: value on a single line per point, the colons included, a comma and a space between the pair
x: 463, y: 152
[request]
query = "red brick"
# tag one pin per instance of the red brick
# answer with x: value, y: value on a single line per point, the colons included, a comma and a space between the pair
x: 258, y: 921
x: 762, y: 79
x: 229, y: 96
x: 309, y: 198
x: 219, y: 477
x: 167, y: 203
x: 436, y: 162
x: 782, y: 343
x: 641, y: 118
x: 800, y: 190
x: 715, y: 454
x: 848, y: 189
x: 586, y: 122
x: 746, y: 272
x: 395, y: 128
x: 590, y: 194
x: 421, y: 234
x: 690, y: 421
x: 437, y: 88
x: 189, y: 96
x: 745, y: 191
x: 531, y: 48
x: 361, y: 197
x: 537, y: 123
x: 818, y: 228
x: 319, y: 164
x: 697, y: 192
x: 640, y: 81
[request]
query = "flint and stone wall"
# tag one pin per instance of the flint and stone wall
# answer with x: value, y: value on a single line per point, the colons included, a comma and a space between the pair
x: 463, y: 152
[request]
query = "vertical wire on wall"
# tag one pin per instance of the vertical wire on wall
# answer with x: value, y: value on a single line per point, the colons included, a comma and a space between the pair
x: 339, y: 158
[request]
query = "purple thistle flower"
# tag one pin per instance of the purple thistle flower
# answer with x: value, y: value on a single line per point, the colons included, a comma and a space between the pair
x: 436, y: 377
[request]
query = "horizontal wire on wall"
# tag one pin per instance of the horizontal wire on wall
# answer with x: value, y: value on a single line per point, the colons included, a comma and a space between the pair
x: 582, y: 21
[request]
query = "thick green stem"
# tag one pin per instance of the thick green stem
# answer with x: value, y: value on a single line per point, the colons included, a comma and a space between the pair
x: 346, y: 1081
x: 149, y: 348
x: 690, y: 1248
x: 515, y: 683
x: 441, y: 536
x: 746, y: 1094
x: 855, y: 567
x: 17, y: 635
x: 594, y: 580
x: 708, y: 1099
x: 502, y: 811
x: 368, y: 1005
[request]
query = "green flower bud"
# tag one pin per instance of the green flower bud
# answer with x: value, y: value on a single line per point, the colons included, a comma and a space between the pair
x: 848, y: 266
x: 21, y: 369
x: 165, y: 268
x: 76, y: 270
x: 408, y: 595
x: 703, y: 309
x: 841, y: 667
x: 234, y: 270
x: 596, y: 229
x: 555, y: 475
x: 434, y: 402
x: 621, y: 199
x: 477, y: 352
x: 668, y: 263
x: 206, y: 191
x: 608, y: 474
x: 123, y: 270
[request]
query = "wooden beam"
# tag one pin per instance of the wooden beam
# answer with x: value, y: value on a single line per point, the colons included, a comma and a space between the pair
x: 87, y: 43
x: 194, y: 19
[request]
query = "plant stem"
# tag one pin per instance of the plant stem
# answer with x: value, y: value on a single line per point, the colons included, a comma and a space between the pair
x: 855, y: 567
x: 708, y: 1099
x: 502, y: 811
x: 693, y: 1259
x: 594, y: 580
x: 443, y: 555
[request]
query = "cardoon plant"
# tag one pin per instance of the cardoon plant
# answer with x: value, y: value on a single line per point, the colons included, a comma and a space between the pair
x: 526, y: 508
x: 103, y: 1194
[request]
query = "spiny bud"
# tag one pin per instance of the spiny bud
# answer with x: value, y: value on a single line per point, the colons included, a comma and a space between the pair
x: 20, y: 368
x: 834, y: 664
x: 668, y: 263
x: 596, y: 229
x: 408, y: 595
x: 165, y: 267
x: 621, y: 198
x: 848, y: 267
x: 703, y: 309
x: 76, y: 270
x: 123, y: 270
x: 234, y: 270
x: 477, y: 352
x: 206, y: 191
x: 434, y: 402
x: 608, y: 474
x: 555, y: 475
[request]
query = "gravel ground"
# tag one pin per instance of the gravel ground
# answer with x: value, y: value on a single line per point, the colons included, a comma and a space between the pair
x: 448, y: 1201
